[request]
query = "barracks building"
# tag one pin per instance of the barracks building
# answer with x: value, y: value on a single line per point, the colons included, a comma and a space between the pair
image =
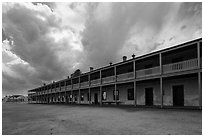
x: 171, y: 77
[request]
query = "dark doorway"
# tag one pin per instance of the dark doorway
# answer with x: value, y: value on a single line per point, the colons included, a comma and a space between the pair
x: 96, y: 98
x: 149, y: 96
x: 178, y: 95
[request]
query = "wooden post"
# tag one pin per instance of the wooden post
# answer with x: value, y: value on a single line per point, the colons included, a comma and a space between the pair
x: 161, y: 79
x: 100, y: 92
x: 115, y: 92
x: 89, y: 76
x: 135, y: 94
x: 161, y: 90
x: 79, y: 91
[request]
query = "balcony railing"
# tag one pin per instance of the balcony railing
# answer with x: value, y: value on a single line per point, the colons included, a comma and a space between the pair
x: 148, y: 72
x: 108, y: 79
x: 76, y: 86
x: 63, y: 89
x: 125, y: 76
x: 85, y: 84
x: 95, y: 82
x: 181, y: 66
x: 69, y: 87
x: 57, y: 90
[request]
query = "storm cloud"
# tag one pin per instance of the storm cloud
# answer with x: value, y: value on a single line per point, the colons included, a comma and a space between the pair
x: 48, y: 41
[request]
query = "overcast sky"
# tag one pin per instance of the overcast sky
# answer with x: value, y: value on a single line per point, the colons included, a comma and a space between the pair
x: 42, y: 42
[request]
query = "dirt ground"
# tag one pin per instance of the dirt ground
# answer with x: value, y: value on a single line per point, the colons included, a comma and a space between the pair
x: 40, y: 119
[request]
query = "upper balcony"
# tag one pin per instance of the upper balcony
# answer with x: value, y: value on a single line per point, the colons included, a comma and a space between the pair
x: 95, y: 82
x: 182, y: 59
x: 84, y: 81
x: 108, y: 79
x: 181, y: 66
x: 148, y: 72
x: 149, y: 66
x: 125, y: 76
x: 95, y: 78
x: 84, y: 84
x: 75, y: 82
x: 76, y: 86
x: 68, y: 87
x: 125, y: 71
x: 108, y: 75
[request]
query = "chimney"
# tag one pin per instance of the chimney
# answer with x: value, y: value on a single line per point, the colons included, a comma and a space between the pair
x: 133, y: 56
x: 67, y: 77
x: 91, y: 68
x: 110, y: 63
x: 124, y: 58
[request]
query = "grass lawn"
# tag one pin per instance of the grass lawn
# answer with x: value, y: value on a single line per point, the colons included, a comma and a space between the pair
x: 40, y: 119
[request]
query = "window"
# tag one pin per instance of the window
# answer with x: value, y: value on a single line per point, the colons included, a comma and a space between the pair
x: 104, y: 95
x: 82, y: 96
x: 116, y: 94
x: 130, y: 94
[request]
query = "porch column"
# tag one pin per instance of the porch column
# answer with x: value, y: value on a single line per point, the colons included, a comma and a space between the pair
x: 100, y: 95
x: 47, y: 98
x: 89, y: 95
x: 134, y: 75
x: 115, y: 93
x: 135, y: 94
x: 65, y: 97
x: 79, y: 96
x: 200, y: 89
x: 79, y: 91
x: 161, y: 90
x: 72, y: 96
x: 161, y: 80
x: 89, y: 75
x: 100, y: 92
x: 71, y: 91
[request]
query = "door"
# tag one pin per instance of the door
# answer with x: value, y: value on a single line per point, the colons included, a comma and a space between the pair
x: 149, y: 96
x: 96, y: 98
x: 178, y: 95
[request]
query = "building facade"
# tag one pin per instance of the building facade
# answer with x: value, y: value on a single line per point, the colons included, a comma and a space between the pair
x: 169, y: 77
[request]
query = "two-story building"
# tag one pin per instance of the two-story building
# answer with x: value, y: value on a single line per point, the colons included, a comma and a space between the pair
x: 169, y: 77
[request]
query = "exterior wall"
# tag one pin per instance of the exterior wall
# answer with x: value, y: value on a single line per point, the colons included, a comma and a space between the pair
x: 85, y: 92
x: 140, y: 92
x: 191, y: 94
x: 93, y: 91
x: 68, y: 93
x: 75, y: 95
x: 123, y: 93
x: 109, y: 92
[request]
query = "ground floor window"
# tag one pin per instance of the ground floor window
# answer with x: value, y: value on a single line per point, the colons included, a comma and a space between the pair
x: 104, y: 95
x: 82, y: 96
x: 130, y: 94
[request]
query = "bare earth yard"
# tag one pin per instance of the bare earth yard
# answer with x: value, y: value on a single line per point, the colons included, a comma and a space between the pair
x: 40, y: 119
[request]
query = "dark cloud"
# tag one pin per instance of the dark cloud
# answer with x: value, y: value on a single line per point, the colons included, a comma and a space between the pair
x: 111, y: 26
x: 51, y: 40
